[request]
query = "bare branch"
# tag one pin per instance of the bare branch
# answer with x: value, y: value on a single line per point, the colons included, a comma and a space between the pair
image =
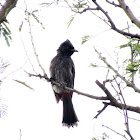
x: 129, y: 84
x: 125, y: 112
x: 113, y: 26
x: 100, y: 111
x: 129, y: 13
x: 105, y: 13
x: 12, y: 72
x: 87, y: 9
x: 128, y: 132
x: 27, y: 55
x: 67, y: 88
x: 6, y: 8
x: 113, y: 3
x: 106, y: 91
x: 130, y: 108
x: 115, y: 132
x: 113, y: 101
x: 35, y: 53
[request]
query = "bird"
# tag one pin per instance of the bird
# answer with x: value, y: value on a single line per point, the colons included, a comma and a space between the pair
x: 62, y: 71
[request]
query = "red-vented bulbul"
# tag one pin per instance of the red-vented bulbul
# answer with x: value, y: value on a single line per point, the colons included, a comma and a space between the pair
x: 62, y: 70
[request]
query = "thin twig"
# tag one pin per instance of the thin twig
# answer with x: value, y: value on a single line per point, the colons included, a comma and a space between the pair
x: 100, y: 111
x: 124, y: 110
x: 129, y: 84
x: 27, y: 55
x: 112, y: 25
x: 113, y: 3
x: 35, y: 53
x: 114, y: 102
x: 12, y: 72
x: 130, y: 117
x: 20, y: 134
x: 115, y: 131
x: 106, y: 80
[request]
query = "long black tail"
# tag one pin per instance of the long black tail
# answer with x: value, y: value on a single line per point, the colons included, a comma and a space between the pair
x: 69, y: 115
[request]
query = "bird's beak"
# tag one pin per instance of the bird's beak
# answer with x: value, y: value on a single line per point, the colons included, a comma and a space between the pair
x: 75, y: 50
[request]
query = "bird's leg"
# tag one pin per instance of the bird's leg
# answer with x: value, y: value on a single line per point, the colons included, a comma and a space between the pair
x: 51, y: 80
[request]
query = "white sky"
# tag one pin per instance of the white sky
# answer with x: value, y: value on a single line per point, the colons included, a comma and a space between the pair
x: 35, y: 112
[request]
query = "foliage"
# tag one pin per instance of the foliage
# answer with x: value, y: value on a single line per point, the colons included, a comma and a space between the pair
x: 133, y: 63
x: 23, y: 83
x: 34, y: 16
x: 71, y: 20
x: 85, y: 39
x: 5, y: 32
x: 80, y: 4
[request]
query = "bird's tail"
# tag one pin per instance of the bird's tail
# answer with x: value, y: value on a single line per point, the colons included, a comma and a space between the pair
x: 69, y: 115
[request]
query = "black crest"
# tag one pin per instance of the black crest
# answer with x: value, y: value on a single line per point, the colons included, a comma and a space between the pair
x: 66, y: 48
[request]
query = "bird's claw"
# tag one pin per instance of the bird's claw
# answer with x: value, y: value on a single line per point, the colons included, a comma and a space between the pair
x: 63, y: 85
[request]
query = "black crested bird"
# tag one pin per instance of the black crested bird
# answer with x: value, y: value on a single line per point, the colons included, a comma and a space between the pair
x: 62, y: 70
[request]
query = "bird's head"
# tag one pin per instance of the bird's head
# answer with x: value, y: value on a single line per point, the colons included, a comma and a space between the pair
x: 66, y: 48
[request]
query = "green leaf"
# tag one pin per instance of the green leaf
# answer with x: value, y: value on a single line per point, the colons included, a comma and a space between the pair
x: 79, y: 5
x: 23, y: 83
x: 6, y: 39
x: 46, y: 4
x: 136, y: 47
x: 94, y: 65
x: 85, y: 38
x: 5, y: 31
x: 132, y: 67
x: 36, y: 18
x: 7, y: 28
x: 124, y: 46
x: 71, y: 19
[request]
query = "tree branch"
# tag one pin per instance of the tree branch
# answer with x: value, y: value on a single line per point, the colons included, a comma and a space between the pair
x: 124, y: 110
x: 110, y: 97
x: 6, y: 8
x: 115, y: 132
x: 113, y: 3
x: 87, y: 9
x: 100, y: 111
x: 129, y: 84
x: 129, y: 13
x: 67, y: 88
x: 113, y: 101
x: 113, y: 26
